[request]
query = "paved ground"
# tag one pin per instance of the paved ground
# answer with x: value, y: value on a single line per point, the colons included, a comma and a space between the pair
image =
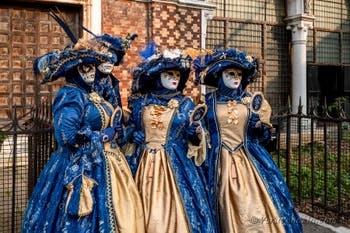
x: 313, y: 228
x: 311, y: 225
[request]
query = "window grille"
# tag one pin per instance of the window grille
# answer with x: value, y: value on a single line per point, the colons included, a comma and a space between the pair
x: 310, y: 46
x: 346, y: 48
x: 329, y: 14
x: 215, y: 34
x: 327, y: 47
x: 246, y: 37
x: 257, y: 28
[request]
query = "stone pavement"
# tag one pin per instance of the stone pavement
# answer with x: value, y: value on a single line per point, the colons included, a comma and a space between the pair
x: 312, y: 225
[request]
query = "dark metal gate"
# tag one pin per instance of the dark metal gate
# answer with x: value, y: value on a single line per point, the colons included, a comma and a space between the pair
x: 26, y: 144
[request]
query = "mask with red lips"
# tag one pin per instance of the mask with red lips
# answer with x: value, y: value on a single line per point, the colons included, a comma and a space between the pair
x: 232, y: 77
x: 170, y: 79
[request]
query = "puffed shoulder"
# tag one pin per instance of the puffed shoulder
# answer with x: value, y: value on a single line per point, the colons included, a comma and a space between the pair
x: 68, y: 96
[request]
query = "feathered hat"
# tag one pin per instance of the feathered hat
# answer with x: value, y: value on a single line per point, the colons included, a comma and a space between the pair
x: 99, y: 49
x: 155, y: 63
x: 115, y: 45
x: 56, y: 64
x: 209, y: 66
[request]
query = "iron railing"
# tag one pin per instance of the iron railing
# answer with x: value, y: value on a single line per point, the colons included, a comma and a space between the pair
x: 26, y: 144
x: 313, y: 153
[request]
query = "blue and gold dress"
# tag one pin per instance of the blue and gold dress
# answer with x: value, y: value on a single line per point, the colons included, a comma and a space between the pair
x: 172, y: 187
x: 246, y: 186
x: 86, y: 186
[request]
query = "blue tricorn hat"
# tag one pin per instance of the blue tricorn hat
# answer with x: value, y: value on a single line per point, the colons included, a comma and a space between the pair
x: 116, y: 45
x: 146, y: 73
x: 209, y: 67
x: 56, y: 64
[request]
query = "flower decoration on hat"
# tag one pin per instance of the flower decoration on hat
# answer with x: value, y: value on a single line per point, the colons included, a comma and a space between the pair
x: 208, y: 67
x: 156, y: 62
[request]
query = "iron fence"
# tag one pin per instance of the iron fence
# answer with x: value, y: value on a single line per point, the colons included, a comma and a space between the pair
x: 26, y: 143
x: 313, y: 153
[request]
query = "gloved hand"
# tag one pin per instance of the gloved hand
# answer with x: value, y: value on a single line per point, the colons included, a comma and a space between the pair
x: 193, y: 129
x: 254, y: 121
x: 138, y: 137
x: 193, y: 132
x: 108, y: 134
x: 119, y: 130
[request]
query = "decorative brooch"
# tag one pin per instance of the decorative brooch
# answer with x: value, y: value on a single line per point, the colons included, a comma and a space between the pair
x: 249, y: 58
x: 232, y: 112
x: 173, y: 103
x: 246, y: 100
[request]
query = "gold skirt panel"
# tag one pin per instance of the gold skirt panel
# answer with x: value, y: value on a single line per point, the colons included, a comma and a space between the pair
x: 125, y: 196
x: 244, y: 203
x: 164, y: 212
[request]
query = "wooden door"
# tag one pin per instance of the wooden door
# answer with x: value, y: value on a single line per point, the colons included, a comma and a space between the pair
x: 27, y: 32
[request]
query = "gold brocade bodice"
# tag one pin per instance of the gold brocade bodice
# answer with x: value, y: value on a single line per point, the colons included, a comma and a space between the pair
x: 156, y: 121
x: 232, y: 118
x: 102, y: 105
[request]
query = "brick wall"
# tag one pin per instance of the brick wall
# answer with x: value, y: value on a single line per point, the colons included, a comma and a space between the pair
x: 169, y: 25
x: 120, y: 18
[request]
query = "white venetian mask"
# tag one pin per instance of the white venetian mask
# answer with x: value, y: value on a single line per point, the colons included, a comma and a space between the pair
x: 87, y: 73
x: 106, y: 67
x: 170, y: 79
x: 232, y: 77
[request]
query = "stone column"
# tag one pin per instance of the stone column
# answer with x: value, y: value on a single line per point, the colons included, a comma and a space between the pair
x: 96, y: 16
x: 92, y: 17
x: 299, y: 28
x: 299, y: 21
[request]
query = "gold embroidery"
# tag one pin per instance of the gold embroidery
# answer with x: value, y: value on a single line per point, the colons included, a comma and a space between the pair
x: 95, y: 98
x: 173, y: 103
x: 232, y: 112
x: 156, y: 114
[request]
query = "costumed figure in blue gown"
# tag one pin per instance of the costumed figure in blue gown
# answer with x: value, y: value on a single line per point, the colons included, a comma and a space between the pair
x: 106, y: 84
x: 246, y: 186
x: 168, y: 147
x: 104, y: 77
x: 86, y: 186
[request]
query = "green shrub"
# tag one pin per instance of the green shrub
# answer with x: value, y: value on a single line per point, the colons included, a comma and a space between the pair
x: 3, y: 136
